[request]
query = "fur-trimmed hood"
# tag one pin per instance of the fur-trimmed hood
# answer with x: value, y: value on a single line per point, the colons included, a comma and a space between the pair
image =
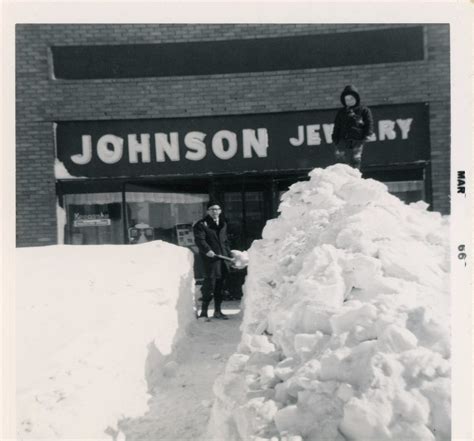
x: 350, y: 90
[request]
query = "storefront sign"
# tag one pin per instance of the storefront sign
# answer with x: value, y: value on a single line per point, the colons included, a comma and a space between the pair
x: 227, y: 144
x: 91, y: 220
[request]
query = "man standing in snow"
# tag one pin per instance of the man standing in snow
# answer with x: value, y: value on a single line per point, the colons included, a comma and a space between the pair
x: 210, y: 235
x: 352, y: 128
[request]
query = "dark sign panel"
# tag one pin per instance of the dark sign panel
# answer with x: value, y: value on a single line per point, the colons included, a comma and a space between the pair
x: 391, y: 45
x: 232, y: 144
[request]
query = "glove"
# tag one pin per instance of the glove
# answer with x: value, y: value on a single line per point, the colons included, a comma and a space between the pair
x: 210, y: 253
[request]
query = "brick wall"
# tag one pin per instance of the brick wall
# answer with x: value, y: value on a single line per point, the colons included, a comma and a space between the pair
x: 42, y: 100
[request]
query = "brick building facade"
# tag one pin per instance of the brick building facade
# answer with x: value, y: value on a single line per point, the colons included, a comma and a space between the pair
x: 42, y: 101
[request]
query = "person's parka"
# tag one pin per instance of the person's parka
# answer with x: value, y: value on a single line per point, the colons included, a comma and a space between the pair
x: 352, y: 123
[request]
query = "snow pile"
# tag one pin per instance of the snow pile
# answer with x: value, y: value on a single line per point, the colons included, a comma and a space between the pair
x: 94, y: 327
x: 346, y: 324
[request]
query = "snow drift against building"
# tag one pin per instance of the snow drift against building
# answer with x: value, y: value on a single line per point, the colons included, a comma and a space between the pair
x: 93, y: 327
x: 346, y: 323
x: 61, y: 172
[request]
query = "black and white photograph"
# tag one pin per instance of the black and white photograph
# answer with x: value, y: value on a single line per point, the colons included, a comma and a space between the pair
x: 243, y: 227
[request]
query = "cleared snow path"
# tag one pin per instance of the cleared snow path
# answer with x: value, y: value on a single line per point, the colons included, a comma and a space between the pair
x: 181, y: 403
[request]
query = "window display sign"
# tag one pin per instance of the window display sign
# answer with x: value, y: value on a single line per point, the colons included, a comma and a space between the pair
x: 91, y: 220
x: 185, y: 235
x: 232, y: 144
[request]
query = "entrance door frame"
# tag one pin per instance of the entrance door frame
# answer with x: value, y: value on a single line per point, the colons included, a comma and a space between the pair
x: 243, y: 184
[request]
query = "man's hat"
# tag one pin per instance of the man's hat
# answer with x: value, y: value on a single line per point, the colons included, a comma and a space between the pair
x: 212, y: 202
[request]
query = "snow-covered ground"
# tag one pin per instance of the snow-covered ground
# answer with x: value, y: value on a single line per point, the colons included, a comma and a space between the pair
x: 95, y: 325
x: 346, y: 321
x: 182, y: 401
x: 345, y: 331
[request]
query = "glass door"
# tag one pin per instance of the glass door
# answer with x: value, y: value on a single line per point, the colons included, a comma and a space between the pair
x: 246, y: 214
x: 246, y: 209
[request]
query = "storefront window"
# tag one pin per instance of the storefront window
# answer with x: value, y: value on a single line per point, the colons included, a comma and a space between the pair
x: 170, y: 216
x: 407, y: 191
x: 100, y: 218
x: 93, y: 218
x: 166, y: 216
x: 96, y: 218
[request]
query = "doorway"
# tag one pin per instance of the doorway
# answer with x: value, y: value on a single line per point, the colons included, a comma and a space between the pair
x: 244, y: 212
x: 247, y: 207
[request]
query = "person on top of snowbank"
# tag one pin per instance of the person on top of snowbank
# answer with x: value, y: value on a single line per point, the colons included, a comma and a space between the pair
x: 210, y: 235
x: 352, y: 128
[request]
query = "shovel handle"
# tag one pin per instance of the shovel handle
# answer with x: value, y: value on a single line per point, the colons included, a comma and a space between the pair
x: 219, y: 256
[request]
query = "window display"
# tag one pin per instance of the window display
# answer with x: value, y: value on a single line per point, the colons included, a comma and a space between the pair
x: 96, y: 218
x: 169, y: 215
x: 93, y: 219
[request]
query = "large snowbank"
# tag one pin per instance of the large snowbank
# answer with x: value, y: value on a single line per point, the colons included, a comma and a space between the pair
x: 346, y: 321
x: 94, y: 325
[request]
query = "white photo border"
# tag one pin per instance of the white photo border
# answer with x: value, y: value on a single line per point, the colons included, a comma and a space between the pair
x: 457, y: 14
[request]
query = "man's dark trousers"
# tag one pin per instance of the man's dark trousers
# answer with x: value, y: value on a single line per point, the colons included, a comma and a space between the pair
x: 214, y: 287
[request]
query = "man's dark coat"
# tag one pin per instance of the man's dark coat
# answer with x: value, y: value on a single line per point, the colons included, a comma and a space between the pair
x: 209, y: 236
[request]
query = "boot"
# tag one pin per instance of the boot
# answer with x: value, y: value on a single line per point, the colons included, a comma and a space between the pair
x: 220, y: 315
x: 203, y: 313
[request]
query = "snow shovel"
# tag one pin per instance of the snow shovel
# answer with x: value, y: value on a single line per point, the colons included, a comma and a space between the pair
x: 235, y: 262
